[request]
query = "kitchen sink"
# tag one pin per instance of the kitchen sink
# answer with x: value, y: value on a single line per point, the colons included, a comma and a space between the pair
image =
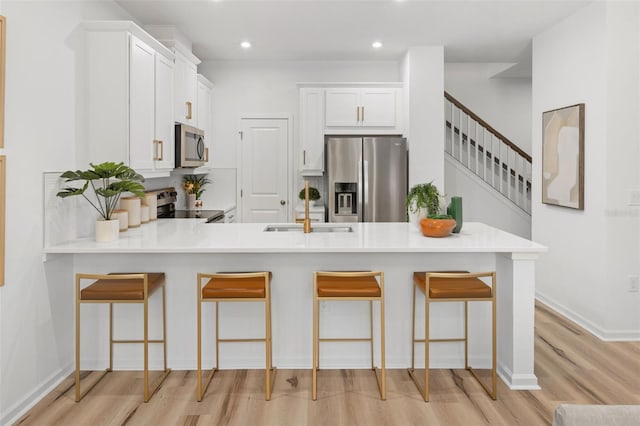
x: 314, y: 228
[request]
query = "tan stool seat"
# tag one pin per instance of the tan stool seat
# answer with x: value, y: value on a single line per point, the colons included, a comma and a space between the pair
x: 453, y: 288
x: 220, y: 288
x: 125, y: 289
x: 348, y: 286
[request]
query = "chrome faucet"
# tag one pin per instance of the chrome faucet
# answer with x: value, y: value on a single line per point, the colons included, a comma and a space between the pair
x: 307, y: 221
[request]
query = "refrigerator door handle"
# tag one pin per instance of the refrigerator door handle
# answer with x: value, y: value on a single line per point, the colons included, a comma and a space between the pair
x: 360, y: 192
x: 365, y: 190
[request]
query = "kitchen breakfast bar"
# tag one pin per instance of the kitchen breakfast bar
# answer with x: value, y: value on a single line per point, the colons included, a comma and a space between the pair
x: 183, y: 248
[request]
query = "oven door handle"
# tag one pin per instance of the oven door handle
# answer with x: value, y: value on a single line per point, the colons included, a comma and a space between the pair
x: 216, y: 219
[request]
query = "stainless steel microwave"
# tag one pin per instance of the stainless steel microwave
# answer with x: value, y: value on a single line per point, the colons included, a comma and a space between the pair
x: 190, y: 148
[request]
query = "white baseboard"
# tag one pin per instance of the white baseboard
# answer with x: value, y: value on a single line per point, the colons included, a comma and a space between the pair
x: 25, y: 404
x: 601, y: 333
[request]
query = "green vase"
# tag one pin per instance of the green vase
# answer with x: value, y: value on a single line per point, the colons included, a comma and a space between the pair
x: 455, y: 210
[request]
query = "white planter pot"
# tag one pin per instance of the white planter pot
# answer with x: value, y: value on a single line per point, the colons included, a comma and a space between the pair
x: 416, y: 217
x: 107, y: 230
x: 191, y: 201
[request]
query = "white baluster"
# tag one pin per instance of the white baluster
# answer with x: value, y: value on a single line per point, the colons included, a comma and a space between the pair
x: 468, y: 156
x: 477, y: 148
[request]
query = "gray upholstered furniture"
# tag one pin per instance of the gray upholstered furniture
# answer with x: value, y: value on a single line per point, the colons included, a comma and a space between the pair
x: 596, y: 415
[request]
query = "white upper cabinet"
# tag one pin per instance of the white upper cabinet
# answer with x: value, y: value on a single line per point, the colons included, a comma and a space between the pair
x: 143, y: 145
x: 204, y: 109
x: 186, y: 86
x: 343, y: 107
x: 378, y: 107
x: 311, y: 146
x: 129, y: 108
x: 363, y: 110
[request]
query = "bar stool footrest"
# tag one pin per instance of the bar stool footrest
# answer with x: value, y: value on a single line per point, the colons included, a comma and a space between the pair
x: 80, y: 395
x: 491, y: 393
x: 411, y: 372
x: 156, y: 386
x: 383, y: 393
x: 212, y: 372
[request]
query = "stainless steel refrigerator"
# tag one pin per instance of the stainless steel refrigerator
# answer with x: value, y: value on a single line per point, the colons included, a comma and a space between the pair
x: 367, y: 179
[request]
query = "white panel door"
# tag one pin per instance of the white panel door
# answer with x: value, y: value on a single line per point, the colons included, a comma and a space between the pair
x: 141, y: 119
x: 264, y: 170
x: 164, y: 128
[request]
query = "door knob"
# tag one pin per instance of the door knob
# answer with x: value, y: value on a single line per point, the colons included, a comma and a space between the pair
x: 283, y: 202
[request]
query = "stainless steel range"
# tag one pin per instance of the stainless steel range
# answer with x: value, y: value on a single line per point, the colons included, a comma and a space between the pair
x: 167, y: 208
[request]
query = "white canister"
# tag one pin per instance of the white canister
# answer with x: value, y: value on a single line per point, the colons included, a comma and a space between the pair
x: 106, y: 230
x: 151, y: 199
x: 144, y: 213
x: 123, y: 217
x: 132, y: 206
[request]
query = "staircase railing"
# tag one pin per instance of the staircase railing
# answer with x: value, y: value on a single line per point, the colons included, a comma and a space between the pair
x: 487, y: 153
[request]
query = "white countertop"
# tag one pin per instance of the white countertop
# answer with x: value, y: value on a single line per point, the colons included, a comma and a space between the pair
x: 194, y: 236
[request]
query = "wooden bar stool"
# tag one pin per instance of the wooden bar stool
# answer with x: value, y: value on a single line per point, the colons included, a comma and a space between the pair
x: 346, y: 286
x: 455, y: 286
x: 122, y: 288
x: 235, y: 287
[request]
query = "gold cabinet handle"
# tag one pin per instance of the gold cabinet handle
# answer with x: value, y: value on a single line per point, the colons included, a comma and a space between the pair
x: 362, y: 115
x: 206, y: 155
x: 155, y: 150
x: 161, y: 144
x: 188, y: 110
x: 358, y: 114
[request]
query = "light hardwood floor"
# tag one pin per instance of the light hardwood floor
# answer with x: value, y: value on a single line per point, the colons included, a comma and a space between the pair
x: 572, y: 367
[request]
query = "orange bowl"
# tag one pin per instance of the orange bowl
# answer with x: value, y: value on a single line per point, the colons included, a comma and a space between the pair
x: 437, y: 228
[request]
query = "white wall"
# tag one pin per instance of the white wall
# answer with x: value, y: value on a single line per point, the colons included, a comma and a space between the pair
x: 243, y: 87
x: 592, y: 57
x: 423, y: 76
x: 270, y: 87
x: 504, y: 103
x: 36, y: 303
x: 481, y: 202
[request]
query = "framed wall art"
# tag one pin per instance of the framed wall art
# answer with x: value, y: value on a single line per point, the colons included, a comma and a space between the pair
x: 563, y: 157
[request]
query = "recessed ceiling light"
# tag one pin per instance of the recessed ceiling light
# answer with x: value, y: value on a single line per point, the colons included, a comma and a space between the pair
x: 376, y: 45
x: 245, y: 44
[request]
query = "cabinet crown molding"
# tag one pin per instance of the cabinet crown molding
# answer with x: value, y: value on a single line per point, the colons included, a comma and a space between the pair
x: 132, y: 28
x: 204, y: 80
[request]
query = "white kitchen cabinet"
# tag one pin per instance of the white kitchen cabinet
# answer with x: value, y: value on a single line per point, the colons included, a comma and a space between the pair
x: 129, y: 112
x: 204, y: 110
x: 363, y: 109
x: 311, y: 146
x: 186, y: 87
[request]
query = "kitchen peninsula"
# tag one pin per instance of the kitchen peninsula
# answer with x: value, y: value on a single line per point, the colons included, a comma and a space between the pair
x: 182, y: 248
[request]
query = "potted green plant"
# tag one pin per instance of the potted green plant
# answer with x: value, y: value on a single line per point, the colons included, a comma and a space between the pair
x: 426, y: 205
x: 314, y: 195
x: 194, y: 187
x: 423, y: 199
x: 108, y: 181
